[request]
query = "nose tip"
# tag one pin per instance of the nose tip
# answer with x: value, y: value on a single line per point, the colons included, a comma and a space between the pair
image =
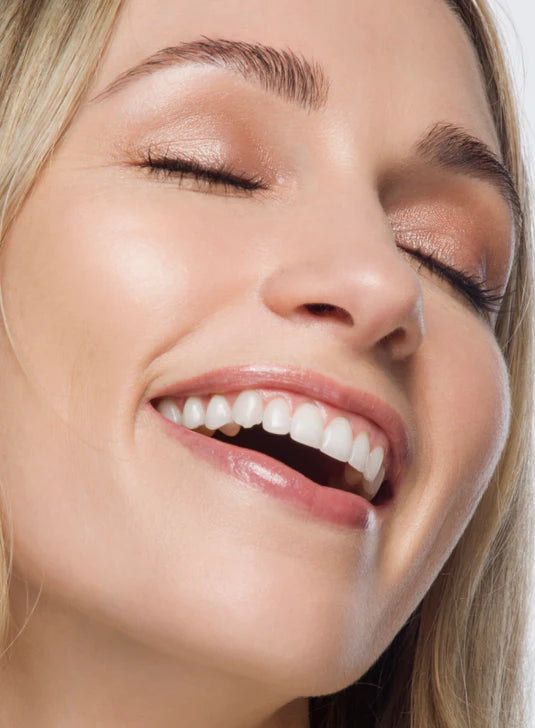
x: 373, y: 300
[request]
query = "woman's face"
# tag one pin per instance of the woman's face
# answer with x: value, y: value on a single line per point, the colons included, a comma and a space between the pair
x: 122, y: 284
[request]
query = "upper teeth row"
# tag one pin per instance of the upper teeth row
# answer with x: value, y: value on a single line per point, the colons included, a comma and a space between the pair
x: 306, y: 425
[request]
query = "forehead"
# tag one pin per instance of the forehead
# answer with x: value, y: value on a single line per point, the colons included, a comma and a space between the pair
x: 390, y: 64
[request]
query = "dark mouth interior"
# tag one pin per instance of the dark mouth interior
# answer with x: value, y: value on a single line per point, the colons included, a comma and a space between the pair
x: 306, y: 460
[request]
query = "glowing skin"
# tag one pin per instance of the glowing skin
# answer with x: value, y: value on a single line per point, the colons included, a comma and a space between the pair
x: 168, y: 589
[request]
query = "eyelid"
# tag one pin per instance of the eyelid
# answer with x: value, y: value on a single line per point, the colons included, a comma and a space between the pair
x: 485, y: 301
x: 454, y: 249
x: 210, y: 175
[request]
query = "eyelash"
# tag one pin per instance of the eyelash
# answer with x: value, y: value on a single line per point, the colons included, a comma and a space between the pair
x: 483, y: 299
x: 221, y: 176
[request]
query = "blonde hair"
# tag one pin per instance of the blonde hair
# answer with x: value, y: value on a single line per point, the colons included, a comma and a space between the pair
x: 458, y: 661
x: 49, y: 51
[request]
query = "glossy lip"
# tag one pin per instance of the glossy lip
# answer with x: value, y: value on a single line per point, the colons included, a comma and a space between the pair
x: 315, y: 386
x: 260, y: 471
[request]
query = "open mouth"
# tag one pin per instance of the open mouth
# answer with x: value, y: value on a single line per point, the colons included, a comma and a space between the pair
x: 331, y: 451
x: 308, y: 461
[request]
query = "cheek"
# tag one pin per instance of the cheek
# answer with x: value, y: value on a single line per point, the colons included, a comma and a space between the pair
x: 95, y: 287
x: 81, y: 272
x: 462, y: 401
x: 468, y: 404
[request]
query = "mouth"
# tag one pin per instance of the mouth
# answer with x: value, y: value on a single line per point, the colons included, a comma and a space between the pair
x: 339, y: 452
x: 313, y: 464
x: 303, y: 459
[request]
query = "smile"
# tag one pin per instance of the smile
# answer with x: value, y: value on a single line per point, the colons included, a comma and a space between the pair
x: 338, y: 453
x: 344, y: 452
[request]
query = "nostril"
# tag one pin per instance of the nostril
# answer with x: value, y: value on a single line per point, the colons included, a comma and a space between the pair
x: 319, y: 308
x: 400, y: 341
x: 327, y: 309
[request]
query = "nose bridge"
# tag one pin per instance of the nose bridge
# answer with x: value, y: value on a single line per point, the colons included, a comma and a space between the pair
x: 339, y: 266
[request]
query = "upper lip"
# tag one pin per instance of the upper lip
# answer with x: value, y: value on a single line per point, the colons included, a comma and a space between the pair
x: 315, y: 386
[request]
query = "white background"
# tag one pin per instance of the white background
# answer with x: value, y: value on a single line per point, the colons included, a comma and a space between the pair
x: 517, y: 23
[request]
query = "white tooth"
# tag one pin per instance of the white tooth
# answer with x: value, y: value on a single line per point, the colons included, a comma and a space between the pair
x: 193, y: 415
x: 372, y: 488
x: 374, y: 463
x: 352, y: 476
x: 307, y: 425
x: 169, y: 409
x: 231, y: 429
x: 218, y: 412
x: 337, y: 440
x: 360, y: 452
x: 276, y: 417
x: 247, y: 410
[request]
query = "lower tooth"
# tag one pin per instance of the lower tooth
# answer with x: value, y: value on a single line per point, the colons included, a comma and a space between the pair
x: 231, y: 429
x: 202, y: 430
x: 371, y: 489
x: 333, y: 481
x: 352, y: 476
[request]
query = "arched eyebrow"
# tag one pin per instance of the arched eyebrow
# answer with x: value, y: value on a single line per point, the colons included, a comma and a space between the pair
x: 450, y: 147
x: 305, y: 83
x: 283, y: 72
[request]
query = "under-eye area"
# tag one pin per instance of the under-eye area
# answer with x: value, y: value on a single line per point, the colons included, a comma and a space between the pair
x: 328, y: 448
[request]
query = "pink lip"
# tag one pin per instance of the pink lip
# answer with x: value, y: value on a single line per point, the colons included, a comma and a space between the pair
x: 315, y: 386
x: 261, y: 471
x: 273, y: 477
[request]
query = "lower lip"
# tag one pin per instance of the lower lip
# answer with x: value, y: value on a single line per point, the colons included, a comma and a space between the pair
x: 260, y: 471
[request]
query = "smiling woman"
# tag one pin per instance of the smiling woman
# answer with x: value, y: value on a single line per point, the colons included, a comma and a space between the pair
x: 267, y: 340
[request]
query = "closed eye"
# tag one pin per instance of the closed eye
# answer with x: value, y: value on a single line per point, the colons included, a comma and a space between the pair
x: 484, y: 300
x: 221, y: 177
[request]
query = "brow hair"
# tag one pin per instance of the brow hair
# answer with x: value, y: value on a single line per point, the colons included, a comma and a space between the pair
x: 451, y: 147
x: 281, y: 71
x: 305, y: 83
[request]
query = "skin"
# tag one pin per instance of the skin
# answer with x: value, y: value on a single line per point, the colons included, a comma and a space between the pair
x: 165, y: 589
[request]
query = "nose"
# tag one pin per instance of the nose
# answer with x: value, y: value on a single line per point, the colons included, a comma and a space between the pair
x: 351, y: 278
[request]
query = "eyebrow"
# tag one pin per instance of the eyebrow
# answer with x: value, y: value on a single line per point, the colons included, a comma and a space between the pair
x: 283, y: 72
x: 452, y: 148
x: 305, y: 83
